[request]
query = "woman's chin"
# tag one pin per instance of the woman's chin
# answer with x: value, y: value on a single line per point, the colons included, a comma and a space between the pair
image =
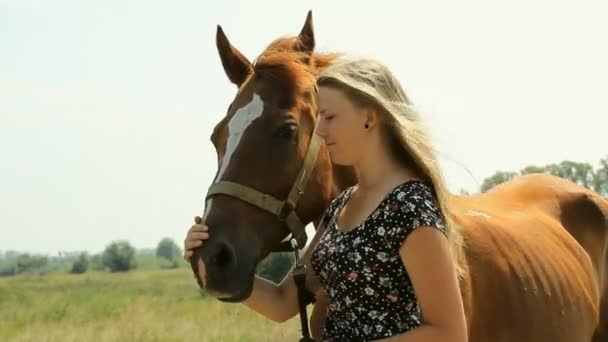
x: 337, y: 161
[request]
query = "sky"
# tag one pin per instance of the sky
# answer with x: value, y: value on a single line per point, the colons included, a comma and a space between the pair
x: 106, y: 107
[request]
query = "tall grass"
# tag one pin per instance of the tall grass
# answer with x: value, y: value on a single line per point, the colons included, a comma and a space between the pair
x: 144, y: 305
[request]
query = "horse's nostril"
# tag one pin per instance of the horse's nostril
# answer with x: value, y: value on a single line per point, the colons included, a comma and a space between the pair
x: 224, y: 257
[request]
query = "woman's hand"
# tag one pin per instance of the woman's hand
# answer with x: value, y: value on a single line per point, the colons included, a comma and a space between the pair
x: 195, y: 237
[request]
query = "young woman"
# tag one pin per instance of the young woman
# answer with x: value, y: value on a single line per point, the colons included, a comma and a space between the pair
x: 387, y: 255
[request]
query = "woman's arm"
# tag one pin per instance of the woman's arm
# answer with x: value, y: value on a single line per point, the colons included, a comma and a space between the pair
x: 280, y: 302
x: 427, y: 258
x: 268, y: 299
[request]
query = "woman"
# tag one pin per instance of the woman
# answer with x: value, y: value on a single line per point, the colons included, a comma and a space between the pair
x: 387, y: 254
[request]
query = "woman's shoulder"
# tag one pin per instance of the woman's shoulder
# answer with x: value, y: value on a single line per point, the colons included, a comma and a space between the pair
x: 414, y: 196
x: 416, y: 191
x: 411, y: 205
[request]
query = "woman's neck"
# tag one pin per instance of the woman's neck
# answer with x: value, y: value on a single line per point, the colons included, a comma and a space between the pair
x: 377, y: 169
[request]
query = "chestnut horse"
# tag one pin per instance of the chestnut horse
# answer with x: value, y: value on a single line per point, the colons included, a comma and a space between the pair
x: 535, y: 247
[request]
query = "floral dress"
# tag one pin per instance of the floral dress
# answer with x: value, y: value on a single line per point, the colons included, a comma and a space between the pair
x: 370, y: 293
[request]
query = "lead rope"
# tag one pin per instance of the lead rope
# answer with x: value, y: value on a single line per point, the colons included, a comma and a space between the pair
x: 299, y: 276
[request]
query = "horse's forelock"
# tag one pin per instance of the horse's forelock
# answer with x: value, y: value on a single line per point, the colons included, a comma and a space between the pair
x: 291, y: 70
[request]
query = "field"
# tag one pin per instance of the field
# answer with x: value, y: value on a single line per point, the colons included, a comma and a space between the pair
x: 144, y: 305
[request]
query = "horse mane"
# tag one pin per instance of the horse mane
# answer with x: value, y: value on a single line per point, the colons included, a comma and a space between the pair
x: 290, y: 69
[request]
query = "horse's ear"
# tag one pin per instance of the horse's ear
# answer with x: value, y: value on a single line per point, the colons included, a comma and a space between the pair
x: 236, y: 66
x: 306, y: 38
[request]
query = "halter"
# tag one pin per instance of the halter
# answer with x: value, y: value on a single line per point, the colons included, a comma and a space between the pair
x: 284, y: 210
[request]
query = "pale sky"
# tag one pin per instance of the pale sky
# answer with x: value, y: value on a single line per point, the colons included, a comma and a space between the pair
x: 106, y: 107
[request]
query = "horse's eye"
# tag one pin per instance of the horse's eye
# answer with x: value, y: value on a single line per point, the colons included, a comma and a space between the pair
x: 288, y: 132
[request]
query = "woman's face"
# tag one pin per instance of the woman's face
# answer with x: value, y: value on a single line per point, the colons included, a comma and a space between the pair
x: 342, y: 125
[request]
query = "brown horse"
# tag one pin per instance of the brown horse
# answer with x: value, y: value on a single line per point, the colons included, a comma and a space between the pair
x: 536, y: 247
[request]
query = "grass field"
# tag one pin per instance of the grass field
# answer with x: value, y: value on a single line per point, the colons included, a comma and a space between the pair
x: 155, y: 305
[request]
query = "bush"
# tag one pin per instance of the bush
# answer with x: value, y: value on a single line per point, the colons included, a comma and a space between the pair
x: 30, y: 263
x: 168, y: 249
x: 8, y: 270
x: 80, y: 265
x: 119, y: 256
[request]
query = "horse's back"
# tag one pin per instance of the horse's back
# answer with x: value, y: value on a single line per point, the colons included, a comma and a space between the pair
x: 536, y: 249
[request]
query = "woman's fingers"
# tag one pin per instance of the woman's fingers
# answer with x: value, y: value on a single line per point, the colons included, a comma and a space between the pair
x: 197, y: 233
x: 198, y: 236
x: 190, y: 244
x: 198, y: 228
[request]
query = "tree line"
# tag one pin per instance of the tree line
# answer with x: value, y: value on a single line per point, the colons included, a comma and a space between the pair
x: 585, y: 174
x: 121, y: 256
x: 118, y: 256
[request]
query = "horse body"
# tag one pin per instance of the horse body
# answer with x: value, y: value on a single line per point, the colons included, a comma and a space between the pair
x: 529, y: 278
x: 535, y: 247
x: 536, y: 257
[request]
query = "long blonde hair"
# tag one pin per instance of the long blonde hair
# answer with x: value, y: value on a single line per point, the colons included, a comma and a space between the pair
x: 368, y: 82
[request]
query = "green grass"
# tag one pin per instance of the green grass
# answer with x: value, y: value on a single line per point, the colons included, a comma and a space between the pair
x: 144, y: 305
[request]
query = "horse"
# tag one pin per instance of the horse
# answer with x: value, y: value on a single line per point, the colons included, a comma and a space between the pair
x: 536, y: 247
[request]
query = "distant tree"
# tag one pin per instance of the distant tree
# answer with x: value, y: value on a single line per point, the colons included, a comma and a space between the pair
x: 168, y: 249
x: 464, y: 192
x: 600, y: 181
x: 11, y: 255
x: 29, y: 263
x: 580, y: 173
x: 8, y: 269
x: 498, y: 178
x: 81, y: 264
x: 532, y: 169
x: 119, y: 256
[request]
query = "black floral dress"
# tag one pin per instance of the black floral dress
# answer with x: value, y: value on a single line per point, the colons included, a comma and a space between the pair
x: 370, y: 293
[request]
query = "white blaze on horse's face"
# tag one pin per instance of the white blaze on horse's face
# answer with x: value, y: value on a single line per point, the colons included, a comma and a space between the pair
x: 237, y: 126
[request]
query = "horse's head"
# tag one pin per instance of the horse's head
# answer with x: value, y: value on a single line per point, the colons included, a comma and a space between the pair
x: 267, y: 153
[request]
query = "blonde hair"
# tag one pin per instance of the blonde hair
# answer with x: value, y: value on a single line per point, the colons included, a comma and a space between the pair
x: 367, y: 82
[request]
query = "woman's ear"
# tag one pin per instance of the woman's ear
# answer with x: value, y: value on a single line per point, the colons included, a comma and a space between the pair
x: 371, y: 117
